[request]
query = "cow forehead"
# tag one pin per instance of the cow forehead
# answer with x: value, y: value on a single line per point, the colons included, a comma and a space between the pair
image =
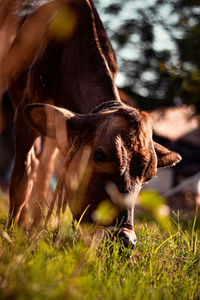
x: 130, y: 125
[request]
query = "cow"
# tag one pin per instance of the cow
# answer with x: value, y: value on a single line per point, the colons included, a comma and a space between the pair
x: 62, y: 85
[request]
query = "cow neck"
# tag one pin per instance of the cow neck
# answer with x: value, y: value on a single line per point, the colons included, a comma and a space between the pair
x: 84, y: 64
x: 105, y: 106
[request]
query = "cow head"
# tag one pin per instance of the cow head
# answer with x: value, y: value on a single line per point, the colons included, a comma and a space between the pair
x: 121, y: 158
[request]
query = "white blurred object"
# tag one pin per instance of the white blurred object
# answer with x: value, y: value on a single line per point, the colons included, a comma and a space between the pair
x: 191, y: 184
x: 162, y: 182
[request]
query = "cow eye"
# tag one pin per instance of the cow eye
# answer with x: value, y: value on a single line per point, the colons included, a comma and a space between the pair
x: 99, y: 156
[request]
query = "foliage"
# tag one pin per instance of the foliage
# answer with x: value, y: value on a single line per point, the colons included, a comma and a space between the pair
x: 157, y: 44
x: 164, y: 265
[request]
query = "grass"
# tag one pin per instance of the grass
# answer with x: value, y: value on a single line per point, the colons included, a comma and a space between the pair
x: 164, y: 265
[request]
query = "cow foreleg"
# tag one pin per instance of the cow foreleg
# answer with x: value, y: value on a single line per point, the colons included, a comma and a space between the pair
x: 21, y: 180
x: 127, y: 233
x: 44, y: 173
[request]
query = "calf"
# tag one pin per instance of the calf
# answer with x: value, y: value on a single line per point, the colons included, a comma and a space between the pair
x: 64, y: 86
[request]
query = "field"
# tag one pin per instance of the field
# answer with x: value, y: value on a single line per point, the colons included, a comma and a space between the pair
x: 165, y: 264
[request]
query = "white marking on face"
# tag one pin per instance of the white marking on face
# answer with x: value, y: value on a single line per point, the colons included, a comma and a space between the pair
x: 124, y: 200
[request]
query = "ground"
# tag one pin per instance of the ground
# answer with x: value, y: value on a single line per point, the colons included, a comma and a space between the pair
x: 165, y: 264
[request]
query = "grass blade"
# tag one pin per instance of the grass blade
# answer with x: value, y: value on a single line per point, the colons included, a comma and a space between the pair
x: 81, y: 217
x: 169, y: 238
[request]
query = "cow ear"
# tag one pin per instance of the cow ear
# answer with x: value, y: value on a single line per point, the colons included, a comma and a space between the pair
x: 54, y: 122
x: 166, y: 158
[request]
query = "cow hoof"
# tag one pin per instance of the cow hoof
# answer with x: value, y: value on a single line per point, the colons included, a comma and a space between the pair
x: 128, y: 238
x: 127, y: 242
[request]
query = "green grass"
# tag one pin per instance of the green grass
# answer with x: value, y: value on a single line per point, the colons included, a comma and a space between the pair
x: 164, y: 265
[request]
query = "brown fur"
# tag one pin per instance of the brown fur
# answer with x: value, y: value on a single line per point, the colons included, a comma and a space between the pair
x: 77, y: 73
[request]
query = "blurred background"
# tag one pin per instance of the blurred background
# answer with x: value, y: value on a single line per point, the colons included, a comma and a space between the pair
x: 157, y: 45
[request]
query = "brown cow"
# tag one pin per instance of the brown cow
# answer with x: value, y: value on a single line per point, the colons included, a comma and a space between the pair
x: 68, y: 82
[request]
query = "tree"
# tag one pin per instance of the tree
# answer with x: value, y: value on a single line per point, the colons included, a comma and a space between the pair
x: 158, y: 48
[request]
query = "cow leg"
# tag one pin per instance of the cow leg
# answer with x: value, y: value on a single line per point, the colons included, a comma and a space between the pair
x: 127, y: 232
x: 21, y: 181
x: 44, y: 173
